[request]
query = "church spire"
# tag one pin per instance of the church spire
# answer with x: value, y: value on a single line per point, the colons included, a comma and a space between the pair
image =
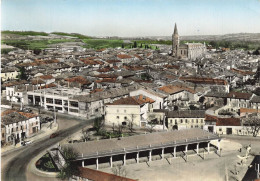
x: 175, y: 30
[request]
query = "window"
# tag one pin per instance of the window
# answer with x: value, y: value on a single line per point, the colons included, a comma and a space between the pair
x: 181, y: 121
x: 220, y: 129
x: 191, y: 126
x: 125, y: 118
x: 117, y: 117
x: 197, y: 120
x: 186, y: 120
x: 124, y: 123
x: 192, y: 121
x: 171, y: 121
x: 12, y: 130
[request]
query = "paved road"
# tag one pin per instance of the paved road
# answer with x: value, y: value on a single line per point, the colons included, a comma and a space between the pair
x: 16, y: 167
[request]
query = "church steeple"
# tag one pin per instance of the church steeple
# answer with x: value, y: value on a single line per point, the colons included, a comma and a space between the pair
x: 175, y: 41
x: 175, y: 30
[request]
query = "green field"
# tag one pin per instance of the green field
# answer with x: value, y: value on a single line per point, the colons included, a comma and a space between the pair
x: 102, y: 43
x: 34, y: 44
x: 112, y: 43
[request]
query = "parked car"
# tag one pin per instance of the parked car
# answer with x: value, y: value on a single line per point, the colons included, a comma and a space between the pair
x: 53, y: 135
x: 24, y: 143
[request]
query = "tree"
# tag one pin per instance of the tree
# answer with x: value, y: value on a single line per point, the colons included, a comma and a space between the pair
x: 70, y: 168
x: 257, y: 74
x: 252, y: 124
x: 135, y: 44
x: 85, y: 135
x: 202, y: 99
x: 98, y: 124
x: 22, y: 74
x: 131, y: 123
x: 37, y: 51
x: 151, y: 125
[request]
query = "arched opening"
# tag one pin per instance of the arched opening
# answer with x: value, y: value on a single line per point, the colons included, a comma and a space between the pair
x: 175, y: 127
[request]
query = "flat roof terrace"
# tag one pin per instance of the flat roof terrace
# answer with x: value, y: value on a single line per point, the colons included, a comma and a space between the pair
x: 138, y: 143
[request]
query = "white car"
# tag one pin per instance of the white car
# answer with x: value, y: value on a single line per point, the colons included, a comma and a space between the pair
x: 24, y: 143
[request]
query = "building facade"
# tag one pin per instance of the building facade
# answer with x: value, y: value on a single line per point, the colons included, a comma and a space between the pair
x: 188, y: 50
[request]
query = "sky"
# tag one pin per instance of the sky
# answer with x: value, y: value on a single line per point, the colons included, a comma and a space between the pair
x: 132, y: 17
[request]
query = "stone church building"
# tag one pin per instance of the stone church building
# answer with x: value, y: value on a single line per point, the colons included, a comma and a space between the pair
x: 188, y: 50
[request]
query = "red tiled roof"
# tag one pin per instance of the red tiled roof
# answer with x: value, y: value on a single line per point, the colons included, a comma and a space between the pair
x: 96, y: 90
x: 113, y: 61
x: 170, y: 89
x: 171, y: 66
x: 27, y: 115
x: 78, y: 79
x: 139, y: 100
x: 106, y: 69
x: 124, y: 56
x: 46, y: 77
x: 36, y: 82
x: 91, y: 61
x: 106, y: 76
x: 202, y: 80
x: 223, y: 121
x: 247, y: 110
x: 100, y: 176
x: 47, y: 86
x: 242, y: 72
x: 101, y: 50
x: 239, y: 95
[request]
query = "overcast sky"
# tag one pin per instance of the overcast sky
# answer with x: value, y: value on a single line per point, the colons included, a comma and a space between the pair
x: 132, y: 17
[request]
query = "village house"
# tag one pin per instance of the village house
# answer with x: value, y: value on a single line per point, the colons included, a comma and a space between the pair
x: 17, y: 125
x: 219, y: 85
x: 185, y: 119
x: 130, y: 110
x: 226, y: 125
x: 178, y: 95
x: 159, y: 98
x: 9, y: 73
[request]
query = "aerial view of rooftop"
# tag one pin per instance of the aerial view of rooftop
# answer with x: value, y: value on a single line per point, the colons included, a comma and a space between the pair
x: 130, y: 90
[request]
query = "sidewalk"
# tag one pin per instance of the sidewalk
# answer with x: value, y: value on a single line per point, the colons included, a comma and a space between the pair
x: 43, y: 132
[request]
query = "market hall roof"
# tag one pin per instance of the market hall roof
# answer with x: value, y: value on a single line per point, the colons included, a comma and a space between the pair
x: 93, y: 149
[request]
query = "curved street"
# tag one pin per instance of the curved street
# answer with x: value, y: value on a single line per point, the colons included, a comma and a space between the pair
x: 14, y: 163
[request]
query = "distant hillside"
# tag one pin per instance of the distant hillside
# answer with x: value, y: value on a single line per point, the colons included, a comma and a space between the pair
x: 252, y: 37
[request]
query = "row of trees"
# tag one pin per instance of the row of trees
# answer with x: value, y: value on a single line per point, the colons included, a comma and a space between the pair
x: 146, y: 46
x: 233, y: 44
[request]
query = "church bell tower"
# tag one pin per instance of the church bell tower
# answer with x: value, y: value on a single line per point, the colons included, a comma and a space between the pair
x: 175, y: 42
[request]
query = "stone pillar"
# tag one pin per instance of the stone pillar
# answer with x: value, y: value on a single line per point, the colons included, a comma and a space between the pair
x: 97, y: 163
x: 111, y: 161
x: 197, y: 148
x: 20, y: 137
x: 162, y: 153
x: 33, y: 99
x: 174, y: 152
x: 83, y: 164
x: 186, y: 148
x: 150, y: 155
x: 208, y: 147
x: 124, y: 159
x: 137, y: 157
x: 218, y: 145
